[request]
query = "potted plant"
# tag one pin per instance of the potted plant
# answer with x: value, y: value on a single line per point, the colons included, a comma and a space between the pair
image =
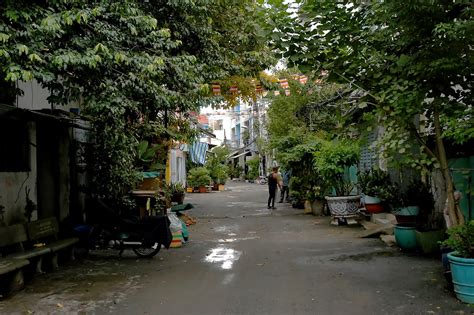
x: 376, y: 188
x: 253, y: 169
x: 405, y: 202
x: 297, y: 192
x: 461, y: 260
x: 221, y: 174
x: 199, y: 177
x: 406, y: 207
x: 430, y: 229
x: 332, y: 163
x: 217, y: 168
x: 177, y: 192
x: 150, y: 159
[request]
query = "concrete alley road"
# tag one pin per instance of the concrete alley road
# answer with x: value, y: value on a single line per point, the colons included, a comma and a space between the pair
x: 245, y: 259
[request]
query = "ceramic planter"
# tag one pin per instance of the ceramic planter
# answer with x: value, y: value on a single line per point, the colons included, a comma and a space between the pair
x: 344, y: 206
x: 371, y: 200
x: 374, y: 207
x: 189, y: 189
x: 317, y: 207
x: 221, y: 187
x: 405, y: 235
x: 202, y: 189
x: 462, y: 272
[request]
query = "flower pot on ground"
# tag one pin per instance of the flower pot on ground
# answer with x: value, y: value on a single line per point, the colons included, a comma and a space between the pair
x: 332, y: 163
x: 462, y: 273
x: 461, y: 260
x: 199, y: 177
x: 374, y: 207
x: 376, y: 187
x: 220, y: 187
x: 428, y: 240
x: 177, y: 192
x: 317, y: 207
x: 343, y: 206
x: 405, y: 235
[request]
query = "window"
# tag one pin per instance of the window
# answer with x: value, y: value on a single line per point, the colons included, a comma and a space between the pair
x: 217, y: 125
x: 14, y: 146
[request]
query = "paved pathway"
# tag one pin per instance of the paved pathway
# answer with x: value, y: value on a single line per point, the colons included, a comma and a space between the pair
x: 245, y: 259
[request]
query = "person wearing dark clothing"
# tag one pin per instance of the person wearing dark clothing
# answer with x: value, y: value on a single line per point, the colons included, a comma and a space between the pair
x: 285, y: 187
x: 273, y: 183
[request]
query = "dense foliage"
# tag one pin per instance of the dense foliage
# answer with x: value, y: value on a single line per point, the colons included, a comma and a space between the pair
x: 130, y: 63
x: 414, y: 60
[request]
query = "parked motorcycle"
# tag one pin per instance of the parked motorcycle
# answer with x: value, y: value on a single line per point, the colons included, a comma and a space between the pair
x: 106, y: 229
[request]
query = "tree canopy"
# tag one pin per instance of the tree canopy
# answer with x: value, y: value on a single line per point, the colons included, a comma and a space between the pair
x: 128, y: 63
x: 414, y: 60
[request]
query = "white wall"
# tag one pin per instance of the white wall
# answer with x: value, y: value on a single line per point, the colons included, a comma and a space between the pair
x: 178, y: 166
x: 35, y: 97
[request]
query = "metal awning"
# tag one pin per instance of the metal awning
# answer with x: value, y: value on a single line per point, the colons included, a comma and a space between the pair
x: 233, y: 153
x: 238, y: 155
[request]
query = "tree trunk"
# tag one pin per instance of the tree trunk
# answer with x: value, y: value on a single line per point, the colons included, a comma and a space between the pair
x: 455, y: 215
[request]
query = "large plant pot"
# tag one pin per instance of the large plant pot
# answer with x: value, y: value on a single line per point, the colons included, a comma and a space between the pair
x: 317, y: 207
x: 405, y: 235
x: 344, y: 206
x: 203, y: 189
x: 307, y: 207
x: 411, y: 210
x: 374, y: 207
x: 428, y: 241
x: 371, y: 200
x: 221, y: 187
x: 462, y: 271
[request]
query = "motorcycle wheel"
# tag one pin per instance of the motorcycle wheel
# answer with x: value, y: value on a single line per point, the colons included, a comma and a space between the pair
x: 147, y: 251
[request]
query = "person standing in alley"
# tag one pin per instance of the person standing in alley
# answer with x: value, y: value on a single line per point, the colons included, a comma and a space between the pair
x: 273, y: 184
x: 285, y: 186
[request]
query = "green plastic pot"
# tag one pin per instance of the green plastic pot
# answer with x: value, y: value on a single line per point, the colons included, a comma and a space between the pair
x: 428, y: 241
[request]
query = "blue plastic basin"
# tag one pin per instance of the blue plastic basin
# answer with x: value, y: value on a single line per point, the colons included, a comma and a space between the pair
x: 462, y: 271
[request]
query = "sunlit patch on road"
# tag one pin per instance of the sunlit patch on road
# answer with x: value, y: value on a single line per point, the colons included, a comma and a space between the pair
x: 226, y: 257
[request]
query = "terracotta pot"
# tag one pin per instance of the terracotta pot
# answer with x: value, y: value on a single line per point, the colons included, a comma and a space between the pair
x: 374, y: 207
x: 202, y: 189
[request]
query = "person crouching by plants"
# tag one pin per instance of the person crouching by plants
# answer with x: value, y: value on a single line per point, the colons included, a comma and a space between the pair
x: 274, y: 182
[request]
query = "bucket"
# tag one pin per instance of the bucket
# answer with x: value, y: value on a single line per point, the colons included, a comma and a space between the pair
x: 462, y: 271
x: 405, y: 235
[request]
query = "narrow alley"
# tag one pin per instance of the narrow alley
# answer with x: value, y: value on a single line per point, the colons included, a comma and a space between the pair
x: 244, y: 259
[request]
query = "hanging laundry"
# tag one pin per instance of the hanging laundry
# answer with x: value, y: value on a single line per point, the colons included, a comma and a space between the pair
x: 198, y: 151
